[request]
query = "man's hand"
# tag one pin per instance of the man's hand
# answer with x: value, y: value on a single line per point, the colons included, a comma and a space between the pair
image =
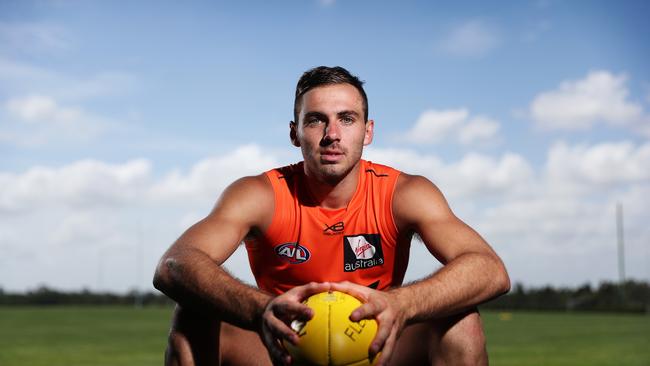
x: 384, y: 308
x: 278, y: 315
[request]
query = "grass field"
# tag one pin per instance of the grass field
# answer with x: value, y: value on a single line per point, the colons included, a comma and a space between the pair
x: 117, y: 336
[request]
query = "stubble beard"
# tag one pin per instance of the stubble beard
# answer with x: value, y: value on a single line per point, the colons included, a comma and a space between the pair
x: 332, y: 173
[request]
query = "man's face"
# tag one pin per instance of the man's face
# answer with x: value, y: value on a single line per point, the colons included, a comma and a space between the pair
x: 331, y: 131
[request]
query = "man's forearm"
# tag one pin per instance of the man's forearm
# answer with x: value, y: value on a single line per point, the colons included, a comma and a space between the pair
x: 193, y: 280
x: 463, y: 283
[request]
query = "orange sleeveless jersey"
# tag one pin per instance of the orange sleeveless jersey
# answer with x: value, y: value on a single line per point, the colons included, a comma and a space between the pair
x: 308, y: 243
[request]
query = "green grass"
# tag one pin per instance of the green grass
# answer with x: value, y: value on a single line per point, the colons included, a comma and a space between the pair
x: 574, y: 339
x: 92, y: 336
x: 126, y: 336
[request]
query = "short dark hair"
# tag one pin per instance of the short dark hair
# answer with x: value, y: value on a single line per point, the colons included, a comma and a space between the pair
x: 324, y: 75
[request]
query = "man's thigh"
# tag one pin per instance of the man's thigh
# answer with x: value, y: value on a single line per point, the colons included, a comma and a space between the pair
x: 456, y: 340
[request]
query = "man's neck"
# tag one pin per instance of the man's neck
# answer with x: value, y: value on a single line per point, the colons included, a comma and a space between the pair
x: 336, y: 195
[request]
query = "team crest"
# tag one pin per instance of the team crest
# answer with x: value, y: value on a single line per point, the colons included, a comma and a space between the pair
x: 293, y: 253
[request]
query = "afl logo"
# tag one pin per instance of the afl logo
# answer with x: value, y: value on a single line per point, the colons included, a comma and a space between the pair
x: 293, y: 253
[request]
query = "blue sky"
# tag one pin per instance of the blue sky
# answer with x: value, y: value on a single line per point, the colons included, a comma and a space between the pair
x: 121, y: 122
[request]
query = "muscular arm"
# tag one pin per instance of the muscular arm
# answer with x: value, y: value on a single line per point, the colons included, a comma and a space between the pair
x: 472, y: 271
x: 190, y: 271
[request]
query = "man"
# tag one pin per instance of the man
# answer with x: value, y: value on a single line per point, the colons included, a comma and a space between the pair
x: 331, y: 222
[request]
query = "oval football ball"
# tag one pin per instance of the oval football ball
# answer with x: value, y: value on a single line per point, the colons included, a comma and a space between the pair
x: 330, y: 337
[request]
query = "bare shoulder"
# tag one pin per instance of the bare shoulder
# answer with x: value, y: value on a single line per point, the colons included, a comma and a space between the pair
x: 248, y: 200
x: 244, y: 206
x: 257, y: 186
x: 416, y: 198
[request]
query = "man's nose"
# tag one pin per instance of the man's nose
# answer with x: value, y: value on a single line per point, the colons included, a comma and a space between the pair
x: 332, y: 131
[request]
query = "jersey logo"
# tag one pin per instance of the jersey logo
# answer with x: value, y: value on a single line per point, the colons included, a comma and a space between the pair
x: 375, y: 173
x: 362, y: 251
x: 293, y: 253
x: 334, y: 229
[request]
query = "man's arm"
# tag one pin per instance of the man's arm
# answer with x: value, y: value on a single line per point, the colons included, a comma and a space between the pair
x: 472, y: 271
x: 190, y: 271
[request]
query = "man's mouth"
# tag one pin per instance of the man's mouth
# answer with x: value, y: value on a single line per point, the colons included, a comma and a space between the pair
x: 331, y: 156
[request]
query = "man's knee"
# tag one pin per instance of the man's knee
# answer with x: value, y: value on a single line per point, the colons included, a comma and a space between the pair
x: 456, y: 340
x: 461, y: 341
x: 193, y: 339
x: 179, y: 351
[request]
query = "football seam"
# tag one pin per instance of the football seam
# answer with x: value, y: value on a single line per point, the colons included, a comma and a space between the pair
x: 329, y: 334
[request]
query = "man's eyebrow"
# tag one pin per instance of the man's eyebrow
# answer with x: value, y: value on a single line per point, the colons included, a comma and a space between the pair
x: 315, y: 114
x: 338, y: 114
x: 348, y: 113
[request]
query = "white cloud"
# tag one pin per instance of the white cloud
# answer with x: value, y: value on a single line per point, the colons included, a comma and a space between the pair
x: 482, y: 175
x: 41, y: 108
x: 80, y: 185
x: 606, y: 164
x: 474, y: 175
x: 406, y: 160
x: 78, y: 228
x: 579, y: 104
x: 433, y: 126
x: 470, y: 39
x: 211, y: 175
x: 436, y: 126
x: 37, y: 119
x: 479, y: 129
x: 92, y: 184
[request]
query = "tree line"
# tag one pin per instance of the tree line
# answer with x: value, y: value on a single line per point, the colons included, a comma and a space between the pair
x: 43, y: 296
x: 630, y: 296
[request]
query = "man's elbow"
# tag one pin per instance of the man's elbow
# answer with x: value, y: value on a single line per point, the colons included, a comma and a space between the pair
x: 162, y: 278
x: 503, y: 279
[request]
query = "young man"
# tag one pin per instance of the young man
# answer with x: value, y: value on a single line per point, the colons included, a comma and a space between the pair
x: 331, y: 222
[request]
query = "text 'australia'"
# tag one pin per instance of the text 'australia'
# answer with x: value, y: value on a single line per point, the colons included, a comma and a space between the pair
x: 362, y: 251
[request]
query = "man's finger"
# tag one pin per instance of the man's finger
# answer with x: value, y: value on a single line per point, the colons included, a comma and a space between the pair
x: 387, y: 351
x: 358, y: 291
x: 303, y: 292
x: 383, y: 333
x: 276, y: 351
x: 280, y: 330
x: 291, y: 310
x: 368, y: 310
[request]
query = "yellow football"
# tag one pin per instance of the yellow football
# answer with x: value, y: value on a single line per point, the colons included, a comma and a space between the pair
x: 330, y: 337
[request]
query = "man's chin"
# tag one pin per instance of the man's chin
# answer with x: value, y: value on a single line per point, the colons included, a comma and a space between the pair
x: 333, y: 173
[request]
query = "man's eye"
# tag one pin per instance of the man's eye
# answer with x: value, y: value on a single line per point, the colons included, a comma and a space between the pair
x: 313, y: 121
x: 347, y: 119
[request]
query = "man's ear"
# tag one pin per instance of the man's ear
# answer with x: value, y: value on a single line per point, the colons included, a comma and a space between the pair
x: 370, y: 132
x: 293, y: 133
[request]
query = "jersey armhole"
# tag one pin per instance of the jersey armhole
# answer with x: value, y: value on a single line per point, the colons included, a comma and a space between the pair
x: 392, y: 226
x: 272, y: 177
